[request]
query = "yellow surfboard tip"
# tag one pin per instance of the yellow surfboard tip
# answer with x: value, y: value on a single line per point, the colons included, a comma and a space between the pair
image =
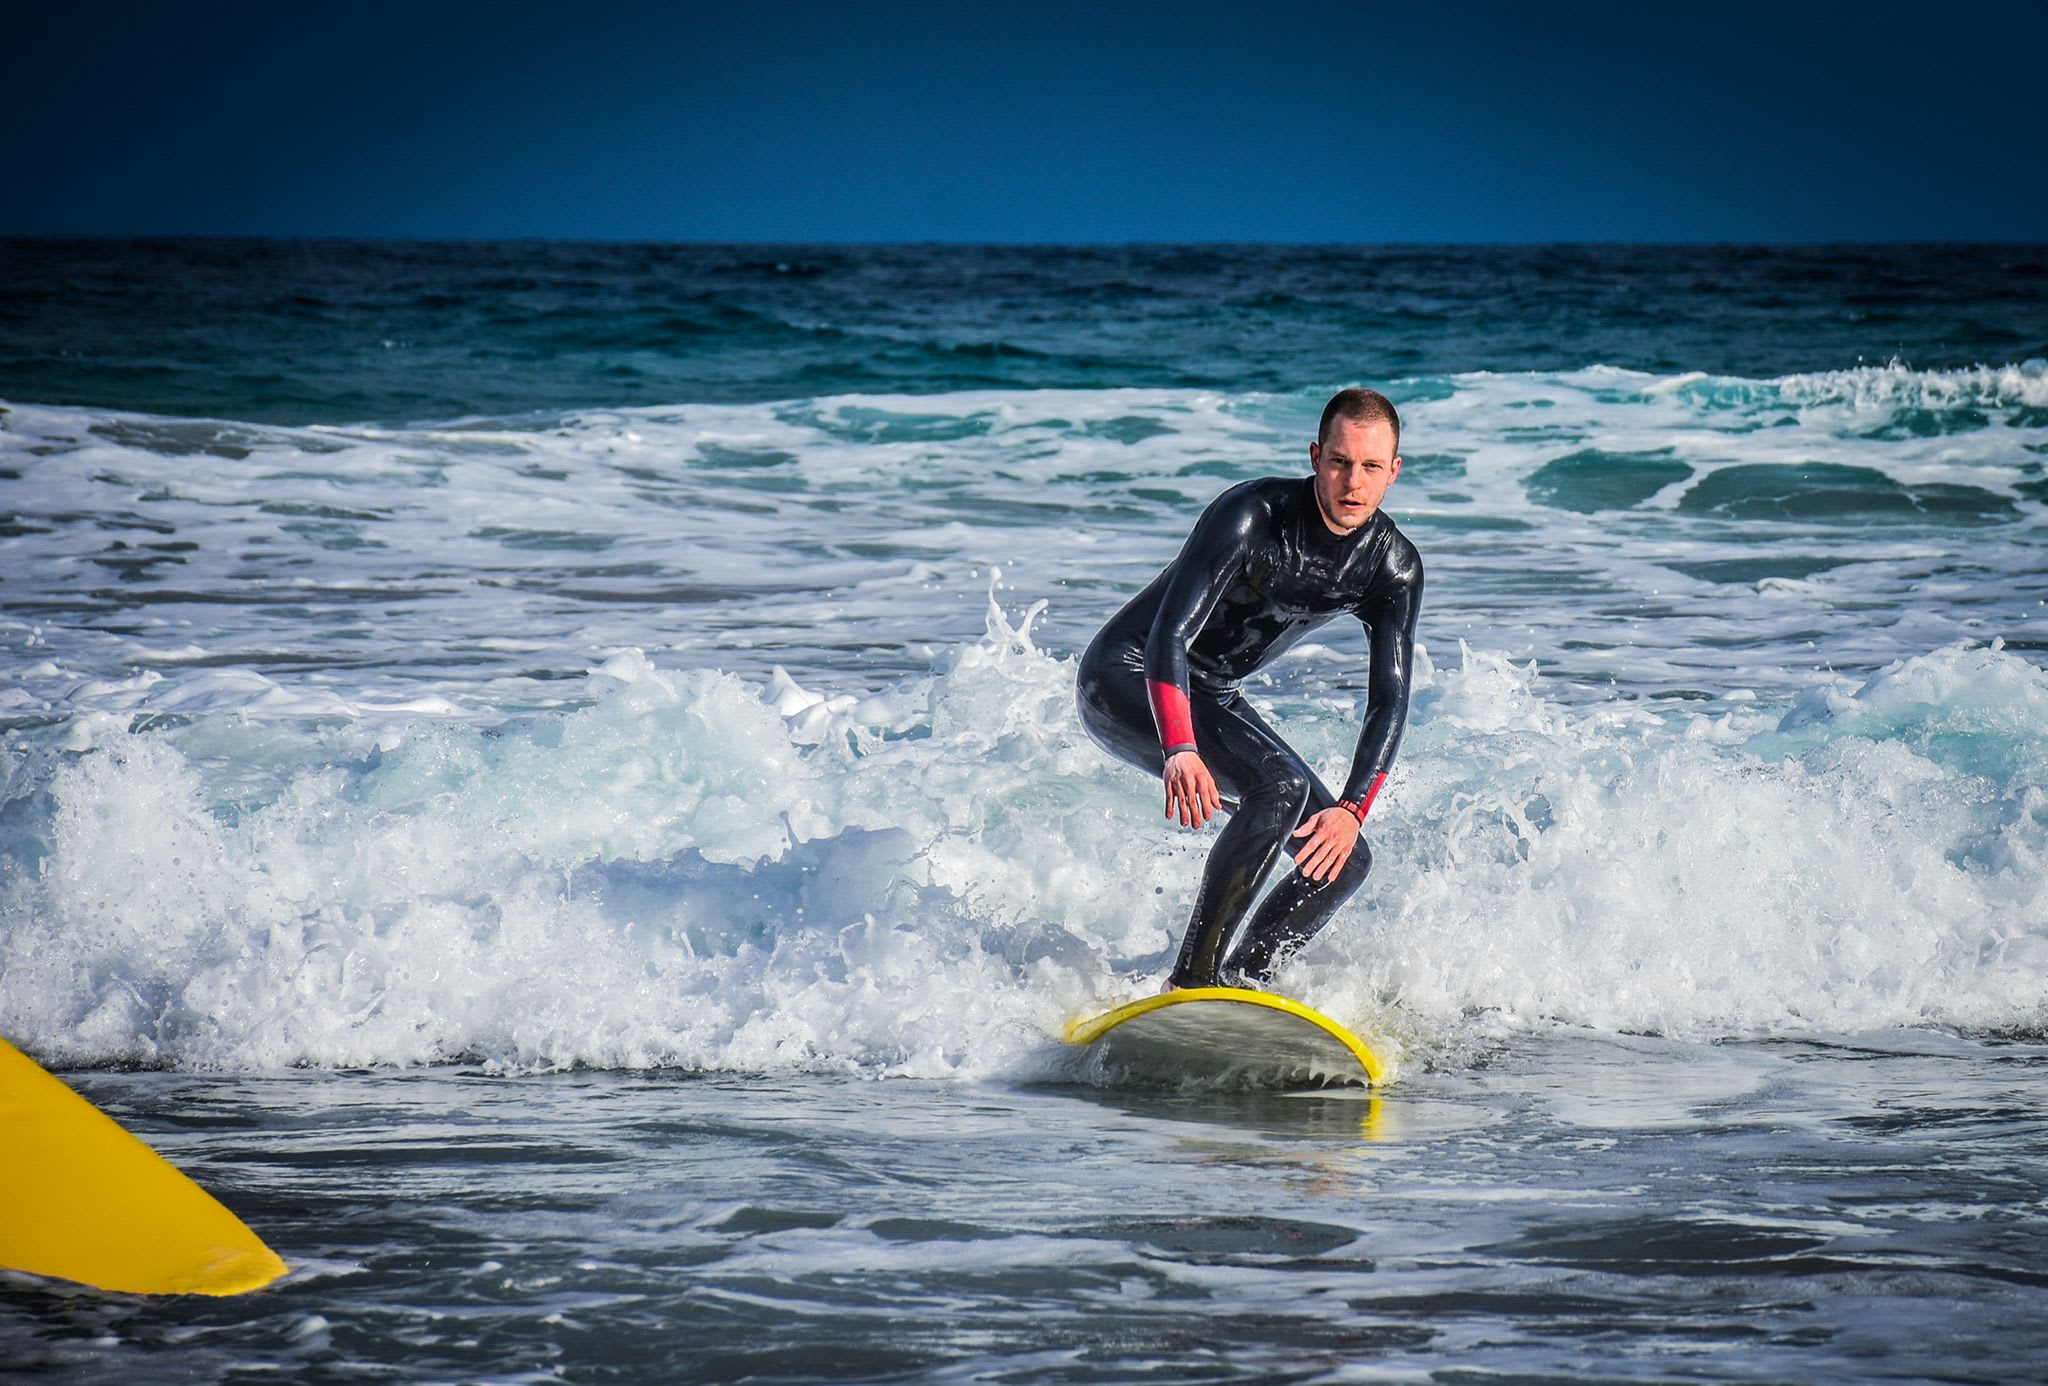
x: 90, y: 1203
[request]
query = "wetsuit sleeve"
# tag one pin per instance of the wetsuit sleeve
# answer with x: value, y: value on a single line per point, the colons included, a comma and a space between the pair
x: 1210, y: 560
x: 1390, y: 622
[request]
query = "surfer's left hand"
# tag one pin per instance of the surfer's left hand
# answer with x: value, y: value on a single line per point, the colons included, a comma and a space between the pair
x: 1331, y: 836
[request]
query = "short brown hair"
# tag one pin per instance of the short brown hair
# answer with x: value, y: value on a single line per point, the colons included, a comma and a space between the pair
x: 1361, y: 406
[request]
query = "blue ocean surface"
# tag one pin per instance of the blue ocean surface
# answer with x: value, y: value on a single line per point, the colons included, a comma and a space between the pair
x: 546, y: 776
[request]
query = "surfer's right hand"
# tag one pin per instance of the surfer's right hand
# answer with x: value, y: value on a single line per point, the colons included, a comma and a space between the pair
x: 1190, y: 790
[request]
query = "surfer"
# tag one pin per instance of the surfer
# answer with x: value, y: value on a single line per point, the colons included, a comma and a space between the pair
x: 1268, y: 562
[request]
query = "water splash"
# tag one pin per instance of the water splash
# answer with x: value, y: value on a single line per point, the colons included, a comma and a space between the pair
x: 694, y: 870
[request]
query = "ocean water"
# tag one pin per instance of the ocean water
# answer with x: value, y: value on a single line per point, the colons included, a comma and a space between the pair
x: 547, y: 777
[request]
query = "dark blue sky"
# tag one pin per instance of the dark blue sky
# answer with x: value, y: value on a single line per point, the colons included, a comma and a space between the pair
x: 1049, y: 122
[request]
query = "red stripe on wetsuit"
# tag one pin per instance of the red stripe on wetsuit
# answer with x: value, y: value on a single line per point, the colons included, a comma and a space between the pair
x: 1174, y: 718
x: 1365, y: 806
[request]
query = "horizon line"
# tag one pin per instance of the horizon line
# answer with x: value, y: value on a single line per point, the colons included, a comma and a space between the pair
x: 947, y: 243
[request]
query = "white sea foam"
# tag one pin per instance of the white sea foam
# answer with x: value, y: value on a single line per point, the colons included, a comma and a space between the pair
x: 680, y: 874
x: 1890, y: 386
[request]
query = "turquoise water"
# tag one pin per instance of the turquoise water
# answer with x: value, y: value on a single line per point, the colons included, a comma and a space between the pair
x: 350, y: 332
x: 547, y: 776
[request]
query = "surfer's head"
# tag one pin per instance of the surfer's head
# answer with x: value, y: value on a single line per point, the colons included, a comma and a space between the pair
x: 1360, y: 406
x: 1356, y: 456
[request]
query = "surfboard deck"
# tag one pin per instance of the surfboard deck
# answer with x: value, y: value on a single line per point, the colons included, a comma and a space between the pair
x: 1230, y: 1036
x: 88, y: 1202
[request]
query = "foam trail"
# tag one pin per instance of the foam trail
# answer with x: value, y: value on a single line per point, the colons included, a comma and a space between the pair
x: 1643, y: 535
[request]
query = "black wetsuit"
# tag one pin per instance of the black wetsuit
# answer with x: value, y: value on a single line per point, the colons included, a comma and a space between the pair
x: 1260, y: 571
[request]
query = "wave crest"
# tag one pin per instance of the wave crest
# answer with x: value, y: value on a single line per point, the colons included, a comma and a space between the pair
x: 694, y: 871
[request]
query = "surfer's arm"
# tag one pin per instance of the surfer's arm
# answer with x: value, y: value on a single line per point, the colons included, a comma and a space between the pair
x: 1390, y: 622
x: 1208, y: 563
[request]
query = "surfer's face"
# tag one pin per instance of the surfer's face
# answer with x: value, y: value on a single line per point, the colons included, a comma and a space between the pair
x: 1354, y: 467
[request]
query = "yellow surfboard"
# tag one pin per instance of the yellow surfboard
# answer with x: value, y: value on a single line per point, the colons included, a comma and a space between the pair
x: 86, y: 1201
x: 1227, y: 1035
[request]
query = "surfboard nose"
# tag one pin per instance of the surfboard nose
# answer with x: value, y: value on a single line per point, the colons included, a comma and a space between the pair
x: 87, y: 1201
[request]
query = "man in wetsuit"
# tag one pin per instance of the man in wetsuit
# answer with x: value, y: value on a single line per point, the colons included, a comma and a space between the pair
x: 1268, y: 562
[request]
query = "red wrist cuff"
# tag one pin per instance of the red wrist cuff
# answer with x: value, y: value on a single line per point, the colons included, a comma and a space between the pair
x: 1173, y: 717
x: 1361, y: 807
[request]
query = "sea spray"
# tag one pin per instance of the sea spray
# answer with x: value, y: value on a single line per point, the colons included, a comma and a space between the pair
x: 931, y: 880
x: 1709, y: 876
